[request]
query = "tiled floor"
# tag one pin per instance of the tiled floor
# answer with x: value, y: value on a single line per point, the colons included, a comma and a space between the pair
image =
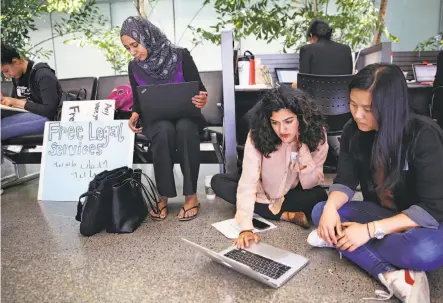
x: 44, y: 259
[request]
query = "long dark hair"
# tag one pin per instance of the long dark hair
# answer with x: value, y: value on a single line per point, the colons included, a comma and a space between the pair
x: 387, y: 86
x: 312, y: 125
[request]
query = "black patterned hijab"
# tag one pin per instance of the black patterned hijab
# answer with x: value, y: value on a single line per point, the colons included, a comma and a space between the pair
x: 163, y: 57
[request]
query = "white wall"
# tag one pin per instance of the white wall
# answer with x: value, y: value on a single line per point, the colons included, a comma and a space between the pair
x: 43, y: 33
x: 412, y: 21
x: 190, y: 12
x: 120, y: 11
x: 74, y: 61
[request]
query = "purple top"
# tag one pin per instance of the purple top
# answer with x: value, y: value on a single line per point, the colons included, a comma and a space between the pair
x: 186, y: 71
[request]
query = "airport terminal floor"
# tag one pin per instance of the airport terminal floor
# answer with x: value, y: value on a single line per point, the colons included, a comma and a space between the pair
x: 45, y: 259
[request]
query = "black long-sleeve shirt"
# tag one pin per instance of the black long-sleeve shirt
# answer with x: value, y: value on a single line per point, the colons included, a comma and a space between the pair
x: 41, y: 89
x: 326, y: 57
x: 190, y: 74
x: 419, y: 194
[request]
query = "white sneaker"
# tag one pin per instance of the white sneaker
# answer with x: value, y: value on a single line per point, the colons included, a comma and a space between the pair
x: 407, y: 285
x: 316, y: 241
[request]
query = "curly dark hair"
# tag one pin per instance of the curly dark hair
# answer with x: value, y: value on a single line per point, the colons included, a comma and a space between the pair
x: 312, y: 124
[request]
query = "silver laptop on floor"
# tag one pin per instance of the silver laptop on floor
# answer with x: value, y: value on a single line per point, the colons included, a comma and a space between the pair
x: 264, y: 263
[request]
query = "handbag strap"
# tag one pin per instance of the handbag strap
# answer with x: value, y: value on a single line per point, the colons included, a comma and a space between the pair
x: 79, y: 92
x: 150, y: 196
x: 151, y: 184
x: 80, y: 205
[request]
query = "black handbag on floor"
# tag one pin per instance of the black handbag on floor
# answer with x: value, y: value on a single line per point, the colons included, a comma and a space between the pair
x: 115, y: 202
x: 94, y: 213
x: 129, y: 207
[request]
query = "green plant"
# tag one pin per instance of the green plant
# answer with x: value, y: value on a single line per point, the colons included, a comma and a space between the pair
x: 18, y: 22
x: 432, y: 44
x: 83, y: 22
x: 354, y: 22
x: 108, y: 42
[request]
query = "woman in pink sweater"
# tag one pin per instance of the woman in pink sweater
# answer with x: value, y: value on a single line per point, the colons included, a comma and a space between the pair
x: 282, y: 165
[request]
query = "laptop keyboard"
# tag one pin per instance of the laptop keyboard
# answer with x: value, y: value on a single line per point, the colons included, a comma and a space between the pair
x: 258, y: 263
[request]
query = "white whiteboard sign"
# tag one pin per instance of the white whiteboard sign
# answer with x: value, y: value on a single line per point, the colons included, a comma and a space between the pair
x: 88, y: 110
x: 74, y: 152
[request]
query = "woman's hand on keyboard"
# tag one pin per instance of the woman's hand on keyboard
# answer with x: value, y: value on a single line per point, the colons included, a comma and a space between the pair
x: 245, y: 239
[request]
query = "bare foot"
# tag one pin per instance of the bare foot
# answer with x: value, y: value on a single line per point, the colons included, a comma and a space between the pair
x: 162, y: 206
x: 190, y: 202
x: 299, y: 218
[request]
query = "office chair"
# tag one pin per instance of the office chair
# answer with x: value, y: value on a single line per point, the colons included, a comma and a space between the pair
x: 331, y: 94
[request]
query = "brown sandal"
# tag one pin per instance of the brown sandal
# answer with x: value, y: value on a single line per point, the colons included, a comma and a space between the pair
x: 190, y: 217
x: 158, y: 212
x: 299, y: 218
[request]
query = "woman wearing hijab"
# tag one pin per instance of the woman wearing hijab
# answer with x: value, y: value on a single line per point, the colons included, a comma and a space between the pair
x: 157, y: 61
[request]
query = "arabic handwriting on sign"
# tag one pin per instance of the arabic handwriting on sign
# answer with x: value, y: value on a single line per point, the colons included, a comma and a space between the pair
x: 94, y: 165
x: 84, y: 174
x: 65, y: 164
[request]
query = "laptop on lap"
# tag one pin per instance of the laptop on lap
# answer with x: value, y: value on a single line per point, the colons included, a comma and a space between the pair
x: 168, y: 101
x: 267, y: 264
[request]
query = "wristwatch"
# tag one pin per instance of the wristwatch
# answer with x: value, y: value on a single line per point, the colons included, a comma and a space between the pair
x: 379, y: 233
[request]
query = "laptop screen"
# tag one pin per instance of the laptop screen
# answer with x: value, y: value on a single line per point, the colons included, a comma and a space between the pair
x: 425, y: 73
x: 286, y: 75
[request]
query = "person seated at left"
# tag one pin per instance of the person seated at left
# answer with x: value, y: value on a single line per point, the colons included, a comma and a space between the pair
x: 282, y: 165
x: 35, y: 88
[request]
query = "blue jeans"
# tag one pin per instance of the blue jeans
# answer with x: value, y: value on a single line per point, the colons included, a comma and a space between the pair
x: 22, y: 124
x: 419, y: 249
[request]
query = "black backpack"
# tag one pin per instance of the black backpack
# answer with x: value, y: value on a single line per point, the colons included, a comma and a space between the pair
x: 70, y: 96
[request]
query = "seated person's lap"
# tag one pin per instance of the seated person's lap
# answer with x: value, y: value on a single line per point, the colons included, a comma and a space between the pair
x: 22, y: 124
x: 421, y: 247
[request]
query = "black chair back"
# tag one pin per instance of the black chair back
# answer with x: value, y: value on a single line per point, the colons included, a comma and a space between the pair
x: 74, y: 85
x: 213, y: 82
x: 108, y: 83
x: 6, y: 88
x: 331, y: 94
